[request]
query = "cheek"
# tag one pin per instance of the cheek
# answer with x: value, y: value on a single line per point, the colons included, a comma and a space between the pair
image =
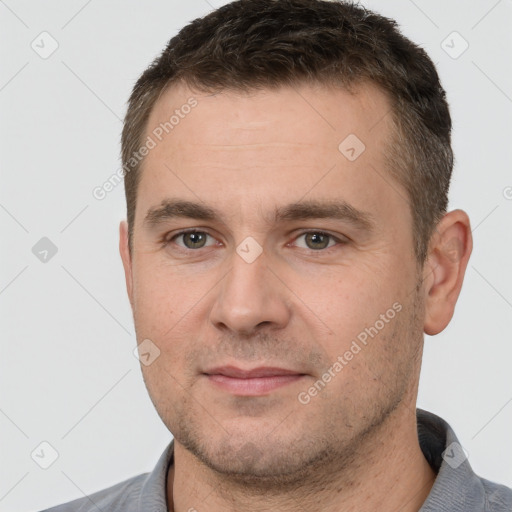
x: 169, y: 309
x: 365, y: 309
x: 347, y: 297
x: 161, y: 297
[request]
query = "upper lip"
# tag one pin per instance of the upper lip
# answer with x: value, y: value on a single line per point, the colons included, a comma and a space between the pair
x: 262, y: 371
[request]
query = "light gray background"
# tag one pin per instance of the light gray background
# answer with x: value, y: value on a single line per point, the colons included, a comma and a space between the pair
x: 68, y: 375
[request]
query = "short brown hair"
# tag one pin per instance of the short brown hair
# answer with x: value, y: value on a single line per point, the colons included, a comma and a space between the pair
x: 264, y: 44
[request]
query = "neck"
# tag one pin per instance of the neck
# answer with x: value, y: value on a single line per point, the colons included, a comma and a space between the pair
x: 388, y: 473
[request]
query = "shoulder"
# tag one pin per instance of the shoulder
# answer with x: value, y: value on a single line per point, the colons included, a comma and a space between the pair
x: 498, y: 497
x: 123, y: 496
x: 144, y: 492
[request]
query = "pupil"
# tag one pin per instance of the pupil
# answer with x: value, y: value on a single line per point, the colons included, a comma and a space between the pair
x: 195, y: 238
x: 317, y: 238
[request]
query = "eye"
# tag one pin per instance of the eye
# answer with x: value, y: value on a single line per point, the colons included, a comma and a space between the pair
x: 191, y: 239
x: 195, y: 239
x: 318, y: 240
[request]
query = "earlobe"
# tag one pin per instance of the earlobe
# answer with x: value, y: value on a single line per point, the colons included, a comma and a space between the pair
x: 126, y: 258
x: 449, y: 253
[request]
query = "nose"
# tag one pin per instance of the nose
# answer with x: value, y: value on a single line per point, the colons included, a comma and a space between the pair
x: 250, y: 298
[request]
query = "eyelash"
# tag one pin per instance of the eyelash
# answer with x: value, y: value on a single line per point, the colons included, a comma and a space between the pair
x: 166, y: 241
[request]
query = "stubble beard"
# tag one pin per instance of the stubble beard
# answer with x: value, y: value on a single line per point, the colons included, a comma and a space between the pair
x: 271, y: 463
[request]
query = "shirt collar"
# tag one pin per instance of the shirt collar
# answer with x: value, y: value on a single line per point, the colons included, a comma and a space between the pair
x: 456, y: 488
x: 153, y: 494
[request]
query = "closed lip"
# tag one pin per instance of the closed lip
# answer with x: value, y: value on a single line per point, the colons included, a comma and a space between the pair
x: 262, y: 371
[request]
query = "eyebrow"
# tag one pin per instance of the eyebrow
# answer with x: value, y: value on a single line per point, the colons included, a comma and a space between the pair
x: 303, y: 210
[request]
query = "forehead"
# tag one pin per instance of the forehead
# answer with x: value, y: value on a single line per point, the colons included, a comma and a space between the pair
x: 231, y: 148
x: 325, y: 114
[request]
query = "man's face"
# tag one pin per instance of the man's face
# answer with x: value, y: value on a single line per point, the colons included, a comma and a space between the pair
x: 263, y: 284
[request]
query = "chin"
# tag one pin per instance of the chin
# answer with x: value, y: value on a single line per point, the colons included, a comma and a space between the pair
x: 261, y: 462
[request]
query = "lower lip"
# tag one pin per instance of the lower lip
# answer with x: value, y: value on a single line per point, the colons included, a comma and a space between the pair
x: 253, y: 386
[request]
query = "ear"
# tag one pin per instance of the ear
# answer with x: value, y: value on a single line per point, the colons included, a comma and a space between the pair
x: 449, y: 251
x: 127, y: 259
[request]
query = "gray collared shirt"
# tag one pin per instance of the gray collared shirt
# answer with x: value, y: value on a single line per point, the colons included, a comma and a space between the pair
x: 456, y: 488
